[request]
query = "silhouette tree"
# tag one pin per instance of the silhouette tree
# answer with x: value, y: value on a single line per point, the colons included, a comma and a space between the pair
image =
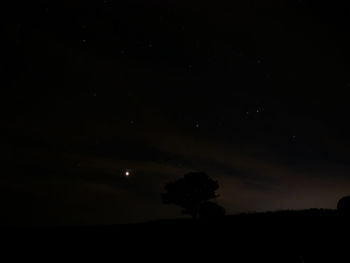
x: 210, y: 211
x: 192, y: 192
x: 343, y: 206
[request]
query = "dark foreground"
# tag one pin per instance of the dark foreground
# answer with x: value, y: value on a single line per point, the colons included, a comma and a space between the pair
x: 298, y: 236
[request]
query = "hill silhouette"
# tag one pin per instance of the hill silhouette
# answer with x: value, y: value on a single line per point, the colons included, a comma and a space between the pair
x: 312, y: 235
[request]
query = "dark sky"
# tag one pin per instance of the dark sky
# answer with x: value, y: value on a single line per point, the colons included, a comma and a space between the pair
x: 254, y: 93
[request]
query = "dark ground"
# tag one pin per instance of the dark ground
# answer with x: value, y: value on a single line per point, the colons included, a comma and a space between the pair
x: 287, y: 236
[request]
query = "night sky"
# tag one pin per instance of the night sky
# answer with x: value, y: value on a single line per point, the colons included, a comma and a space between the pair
x: 254, y: 93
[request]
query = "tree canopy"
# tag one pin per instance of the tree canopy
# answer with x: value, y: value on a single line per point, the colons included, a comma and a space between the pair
x: 192, y: 193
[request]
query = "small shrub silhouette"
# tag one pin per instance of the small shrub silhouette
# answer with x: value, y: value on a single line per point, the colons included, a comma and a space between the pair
x: 192, y: 193
x: 343, y: 206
